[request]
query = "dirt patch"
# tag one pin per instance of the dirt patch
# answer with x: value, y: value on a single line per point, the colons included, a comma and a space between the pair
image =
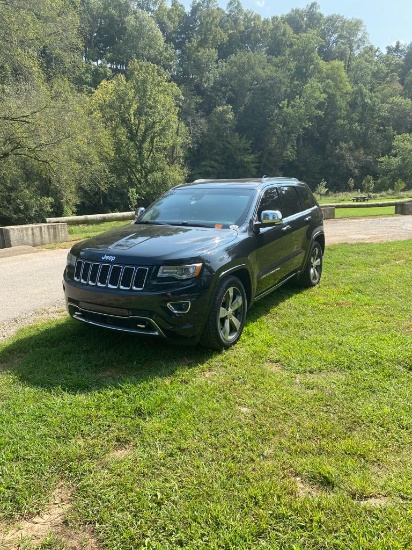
x: 120, y: 453
x: 245, y: 410
x: 208, y: 374
x: 273, y: 366
x: 51, y: 522
x: 375, y: 501
x: 305, y: 489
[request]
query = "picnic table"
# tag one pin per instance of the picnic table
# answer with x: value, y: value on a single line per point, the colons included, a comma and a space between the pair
x: 360, y: 198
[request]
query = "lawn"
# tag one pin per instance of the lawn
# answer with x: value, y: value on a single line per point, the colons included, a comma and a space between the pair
x: 297, y: 438
x: 364, y: 212
x: 367, y: 211
x: 85, y: 231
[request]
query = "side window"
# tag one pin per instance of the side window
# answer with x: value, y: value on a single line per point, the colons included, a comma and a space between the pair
x: 290, y: 201
x: 307, y: 200
x: 270, y: 201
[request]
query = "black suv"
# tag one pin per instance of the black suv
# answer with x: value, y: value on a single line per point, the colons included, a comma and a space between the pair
x: 193, y: 262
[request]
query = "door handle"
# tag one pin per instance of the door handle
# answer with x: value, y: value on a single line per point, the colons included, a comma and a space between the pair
x: 286, y: 228
x: 308, y: 218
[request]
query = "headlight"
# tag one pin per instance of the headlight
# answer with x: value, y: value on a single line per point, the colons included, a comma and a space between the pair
x: 71, y: 259
x: 180, y: 271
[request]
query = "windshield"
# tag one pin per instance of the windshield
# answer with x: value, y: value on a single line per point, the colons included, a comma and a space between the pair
x: 220, y: 208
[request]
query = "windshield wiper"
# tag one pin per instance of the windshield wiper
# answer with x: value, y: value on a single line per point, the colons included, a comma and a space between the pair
x: 177, y: 224
x: 150, y: 222
x: 193, y: 224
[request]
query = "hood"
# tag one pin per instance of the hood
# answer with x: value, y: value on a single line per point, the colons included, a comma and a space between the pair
x: 153, y: 243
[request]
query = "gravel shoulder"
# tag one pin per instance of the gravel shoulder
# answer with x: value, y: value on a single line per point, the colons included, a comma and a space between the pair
x: 31, y: 278
x: 368, y: 230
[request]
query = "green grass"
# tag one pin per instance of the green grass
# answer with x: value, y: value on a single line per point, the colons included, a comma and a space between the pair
x: 297, y: 438
x: 364, y: 212
x: 81, y: 232
x: 359, y: 212
x: 85, y: 231
x: 376, y: 197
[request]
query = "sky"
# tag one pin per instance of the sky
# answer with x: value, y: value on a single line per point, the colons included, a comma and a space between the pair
x: 386, y: 21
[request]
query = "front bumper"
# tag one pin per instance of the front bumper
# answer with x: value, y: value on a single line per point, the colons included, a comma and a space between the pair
x: 179, y: 314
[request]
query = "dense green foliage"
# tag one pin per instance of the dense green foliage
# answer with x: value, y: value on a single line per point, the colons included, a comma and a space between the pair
x: 107, y: 102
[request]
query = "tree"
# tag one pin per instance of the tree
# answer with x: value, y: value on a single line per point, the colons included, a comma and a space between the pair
x: 201, y: 35
x: 49, y: 151
x: 39, y: 40
x: 397, y: 165
x: 369, y: 136
x: 49, y: 147
x: 223, y: 153
x: 368, y: 184
x: 170, y: 21
x: 305, y: 20
x: 141, y: 111
x: 343, y: 38
x: 254, y: 87
x: 322, y: 188
x: 330, y: 130
x: 399, y: 186
x: 103, y: 26
x: 143, y: 40
x: 245, y: 31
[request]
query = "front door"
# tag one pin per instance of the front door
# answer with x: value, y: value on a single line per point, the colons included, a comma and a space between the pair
x: 273, y: 246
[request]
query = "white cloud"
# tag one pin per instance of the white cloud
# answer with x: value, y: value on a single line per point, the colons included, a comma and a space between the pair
x: 260, y: 3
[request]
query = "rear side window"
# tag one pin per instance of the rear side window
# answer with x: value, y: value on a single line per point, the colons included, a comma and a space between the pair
x: 290, y: 201
x: 307, y: 200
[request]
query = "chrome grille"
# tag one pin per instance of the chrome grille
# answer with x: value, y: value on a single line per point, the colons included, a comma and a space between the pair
x: 110, y: 276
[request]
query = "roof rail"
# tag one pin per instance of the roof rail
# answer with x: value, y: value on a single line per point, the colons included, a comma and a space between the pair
x: 263, y: 178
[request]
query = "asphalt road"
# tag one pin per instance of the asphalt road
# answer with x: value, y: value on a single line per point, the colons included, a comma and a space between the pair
x: 30, y: 282
x: 31, y: 279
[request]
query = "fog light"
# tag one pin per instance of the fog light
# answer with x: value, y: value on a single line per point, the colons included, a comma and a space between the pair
x: 179, y: 307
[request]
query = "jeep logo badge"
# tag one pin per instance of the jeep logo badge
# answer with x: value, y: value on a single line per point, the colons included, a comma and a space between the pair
x: 109, y: 258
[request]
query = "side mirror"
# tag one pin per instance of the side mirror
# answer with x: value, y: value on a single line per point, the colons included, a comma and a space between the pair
x: 269, y: 218
x: 140, y: 211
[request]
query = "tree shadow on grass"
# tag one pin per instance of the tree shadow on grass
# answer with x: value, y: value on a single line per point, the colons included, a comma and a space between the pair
x: 76, y: 358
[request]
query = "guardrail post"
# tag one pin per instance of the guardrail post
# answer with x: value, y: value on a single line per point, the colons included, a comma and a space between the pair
x: 404, y: 209
x: 328, y: 212
x: 35, y: 234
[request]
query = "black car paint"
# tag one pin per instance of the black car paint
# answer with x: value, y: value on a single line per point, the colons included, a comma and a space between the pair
x: 262, y: 259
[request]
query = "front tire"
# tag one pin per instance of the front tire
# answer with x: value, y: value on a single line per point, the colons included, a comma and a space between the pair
x: 227, y: 315
x: 313, y: 269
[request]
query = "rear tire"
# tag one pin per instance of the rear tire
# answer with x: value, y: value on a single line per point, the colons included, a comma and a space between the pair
x: 227, y: 315
x: 313, y: 270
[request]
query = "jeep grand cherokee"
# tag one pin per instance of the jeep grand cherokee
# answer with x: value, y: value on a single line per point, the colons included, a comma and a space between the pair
x: 191, y: 264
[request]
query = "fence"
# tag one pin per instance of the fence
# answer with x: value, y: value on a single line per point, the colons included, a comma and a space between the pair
x: 401, y: 207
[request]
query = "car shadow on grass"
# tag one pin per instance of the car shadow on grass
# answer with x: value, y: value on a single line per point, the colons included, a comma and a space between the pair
x: 74, y: 357
x: 80, y: 358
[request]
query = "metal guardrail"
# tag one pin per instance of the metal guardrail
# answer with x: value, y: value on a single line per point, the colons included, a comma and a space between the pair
x: 93, y: 218
x: 401, y: 207
x: 119, y: 216
x: 366, y: 204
